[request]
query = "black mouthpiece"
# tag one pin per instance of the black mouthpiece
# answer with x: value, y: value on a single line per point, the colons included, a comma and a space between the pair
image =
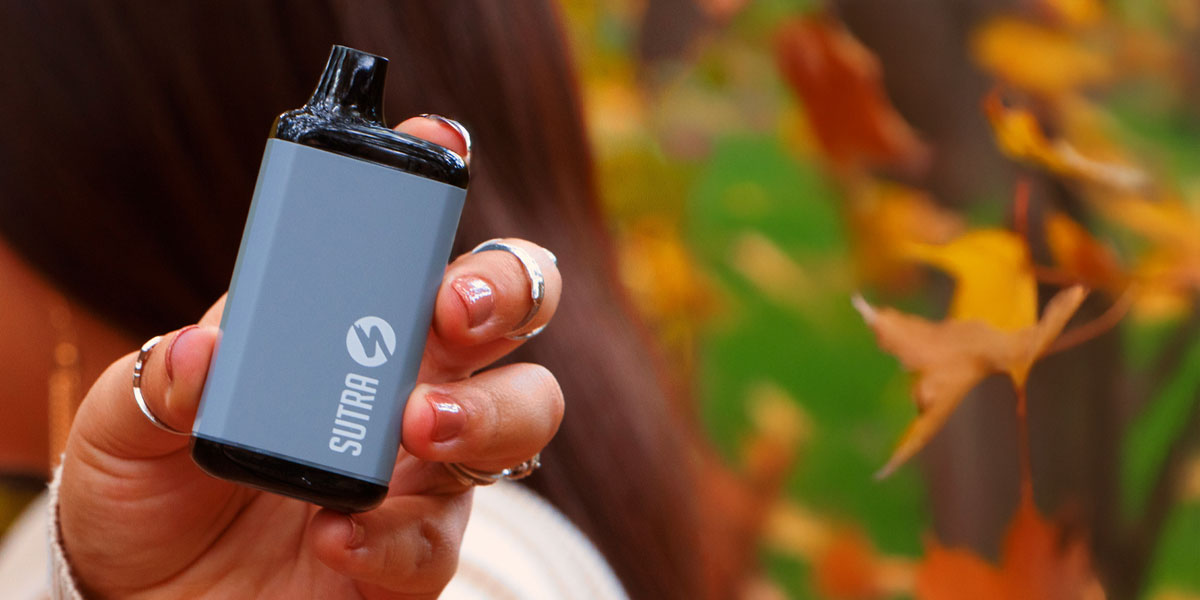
x: 352, y: 85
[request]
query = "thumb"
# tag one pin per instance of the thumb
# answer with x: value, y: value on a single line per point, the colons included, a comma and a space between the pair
x: 448, y: 133
x: 133, y: 507
x: 172, y: 379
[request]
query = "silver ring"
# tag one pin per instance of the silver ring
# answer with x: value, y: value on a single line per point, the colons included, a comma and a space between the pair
x: 537, y: 283
x: 143, y: 354
x: 469, y: 477
x: 524, y: 336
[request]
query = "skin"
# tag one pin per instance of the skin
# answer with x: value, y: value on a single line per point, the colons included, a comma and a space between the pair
x: 140, y: 520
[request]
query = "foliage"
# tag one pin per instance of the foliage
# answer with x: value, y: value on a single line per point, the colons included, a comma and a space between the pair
x: 758, y: 177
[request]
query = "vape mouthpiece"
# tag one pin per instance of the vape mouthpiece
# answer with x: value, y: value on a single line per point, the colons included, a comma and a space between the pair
x: 352, y: 85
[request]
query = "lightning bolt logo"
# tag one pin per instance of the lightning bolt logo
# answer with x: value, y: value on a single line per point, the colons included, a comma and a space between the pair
x: 372, y: 337
x: 371, y: 341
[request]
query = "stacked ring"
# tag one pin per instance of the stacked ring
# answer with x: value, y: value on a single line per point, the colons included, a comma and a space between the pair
x: 469, y: 477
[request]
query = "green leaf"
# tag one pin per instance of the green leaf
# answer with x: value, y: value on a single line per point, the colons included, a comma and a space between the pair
x: 1150, y: 436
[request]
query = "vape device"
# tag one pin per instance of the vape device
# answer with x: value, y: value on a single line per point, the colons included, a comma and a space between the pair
x: 348, y: 236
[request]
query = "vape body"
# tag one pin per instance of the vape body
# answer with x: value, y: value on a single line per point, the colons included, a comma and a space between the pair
x: 324, y: 328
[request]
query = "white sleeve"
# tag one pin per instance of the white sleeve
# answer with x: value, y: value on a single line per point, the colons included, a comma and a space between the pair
x: 519, y: 546
x: 62, y: 584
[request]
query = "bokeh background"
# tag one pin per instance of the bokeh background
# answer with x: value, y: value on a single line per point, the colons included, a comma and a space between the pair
x: 762, y: 161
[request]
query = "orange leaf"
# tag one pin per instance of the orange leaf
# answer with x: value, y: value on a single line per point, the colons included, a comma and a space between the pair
x: 1039, y: 562
x: 1074, y: 13
x: 950, y: 357
x: 950, y: 574
x: 1082, y: 256
x: 839, y: 81
x: 846, y: 569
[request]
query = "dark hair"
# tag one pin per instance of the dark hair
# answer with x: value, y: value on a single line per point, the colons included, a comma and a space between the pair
x: 131, y: 140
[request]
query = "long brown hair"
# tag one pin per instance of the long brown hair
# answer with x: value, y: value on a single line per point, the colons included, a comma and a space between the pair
x: 131, y: 139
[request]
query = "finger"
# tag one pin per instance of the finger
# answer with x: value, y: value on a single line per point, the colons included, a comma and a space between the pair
x: 485, y: 297
x: 410, y: 543
x: 214, y: 313
x: 439, y: 130
x: 492, y: 421
x: 172, y: 380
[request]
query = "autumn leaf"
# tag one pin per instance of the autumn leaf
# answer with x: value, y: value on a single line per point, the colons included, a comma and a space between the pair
x: 661, y: 274
x: 1074, y: 13
x: 993, y: 275
x: 1039, y: 562
x: 846, y: 569
x: 1020, y: 136
x: 886, y: 220
x: 1168, y: 270
x: 952, y: 356
x: 780, y: 427
x: 845, y: 564
x: 850, y: 568
x: 839, y: 81
x: 1081, y: 256
x: 1037, y: 58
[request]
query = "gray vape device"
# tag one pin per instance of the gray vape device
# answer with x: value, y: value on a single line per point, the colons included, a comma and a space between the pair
x: 324, y: 328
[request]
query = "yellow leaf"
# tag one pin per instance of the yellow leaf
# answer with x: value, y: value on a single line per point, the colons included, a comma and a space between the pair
x: 993, y: 274
x: 796, y: 530
x: 1036, y: 58
x: 1168, y: 271
x: 1020, y: 136
x: 885, y: 220
x: 950, y: 357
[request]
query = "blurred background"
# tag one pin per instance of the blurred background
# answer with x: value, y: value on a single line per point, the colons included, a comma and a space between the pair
x: 856, y: 229
x: 762, y: 161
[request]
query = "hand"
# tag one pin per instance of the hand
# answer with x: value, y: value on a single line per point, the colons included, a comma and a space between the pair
x: 139, y: 519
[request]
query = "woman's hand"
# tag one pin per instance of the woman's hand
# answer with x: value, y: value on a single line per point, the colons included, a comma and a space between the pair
x: 139, y: 519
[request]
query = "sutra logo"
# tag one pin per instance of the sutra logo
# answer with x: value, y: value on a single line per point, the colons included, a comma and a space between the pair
x: 370, y: 341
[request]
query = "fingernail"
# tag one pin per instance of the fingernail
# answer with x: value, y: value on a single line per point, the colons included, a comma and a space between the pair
x: 455, y: 125
x: 448, y: 417
x: 477, y: 296
x: 357, y: 533
x: 553, y: 258
x: 170, y: 356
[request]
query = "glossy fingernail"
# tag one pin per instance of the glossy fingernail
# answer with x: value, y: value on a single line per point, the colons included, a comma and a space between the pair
x: 477, y: 296
x: 448, y: 417
x: 357, y: 533
x: 170, y: 355
x: 456, y: 126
